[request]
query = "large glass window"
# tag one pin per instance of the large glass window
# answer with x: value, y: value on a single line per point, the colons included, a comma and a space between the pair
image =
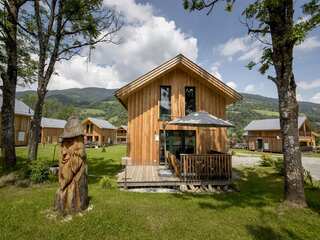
x: 165, y: 102
x: 177, y: 142
x: 190, y: 100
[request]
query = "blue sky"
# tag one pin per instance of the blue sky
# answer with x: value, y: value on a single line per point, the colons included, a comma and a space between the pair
x: 156, y: 31
x: 218, y: 28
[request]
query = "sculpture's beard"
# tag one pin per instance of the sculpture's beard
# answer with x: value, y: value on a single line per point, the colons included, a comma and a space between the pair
x: 72, y: 148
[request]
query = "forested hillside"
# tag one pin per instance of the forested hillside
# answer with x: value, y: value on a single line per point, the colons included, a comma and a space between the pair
x: 100, y: 102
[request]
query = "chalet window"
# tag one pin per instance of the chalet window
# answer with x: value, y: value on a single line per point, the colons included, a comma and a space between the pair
x: 190, y: 100
x: 165, y: 102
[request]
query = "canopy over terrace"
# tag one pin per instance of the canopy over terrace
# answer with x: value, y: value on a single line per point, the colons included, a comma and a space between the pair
x: 193, y: 167
x: 201, y: 119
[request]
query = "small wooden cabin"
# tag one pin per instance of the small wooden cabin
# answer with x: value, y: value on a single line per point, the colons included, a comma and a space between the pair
x: 265, y: 135
x: 51, y: 130
x: 172, y: 90
x: 122, y: 134
x: 22, y: 119
x: 99, y: 131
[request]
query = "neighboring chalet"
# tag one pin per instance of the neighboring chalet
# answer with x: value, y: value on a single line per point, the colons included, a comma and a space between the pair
x: 265, y: 135
x: 51, y: 129
x: 122, y: 134
x: 22, y: 120
x: 171, y: 91
x: 99, y: 131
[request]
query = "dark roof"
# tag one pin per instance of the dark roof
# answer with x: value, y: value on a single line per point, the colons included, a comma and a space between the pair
x: 201, y: 119
x: 101, y: 123
x: 20, y: 108
x: 52, y: 123
x: 269, y: 124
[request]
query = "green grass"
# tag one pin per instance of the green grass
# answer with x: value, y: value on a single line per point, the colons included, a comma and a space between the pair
x: 255, y: 212
x: 245, y: 152
x: 311, y: 154
x: 267, y: 113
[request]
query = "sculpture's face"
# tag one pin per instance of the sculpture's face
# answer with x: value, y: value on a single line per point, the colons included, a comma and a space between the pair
x: 66, y: 151
x: 68, y: 146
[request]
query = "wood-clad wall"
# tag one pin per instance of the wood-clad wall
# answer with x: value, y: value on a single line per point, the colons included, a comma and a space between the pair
x: 144, y: 123
x: 103, y: 134
x: 50, y: 135
x: 274, y: 139
x: 21, y: 126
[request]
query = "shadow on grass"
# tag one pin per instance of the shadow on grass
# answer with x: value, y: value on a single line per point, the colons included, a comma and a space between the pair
x: 259, y: 187
x: 267, y: 233
x: 99, y: 167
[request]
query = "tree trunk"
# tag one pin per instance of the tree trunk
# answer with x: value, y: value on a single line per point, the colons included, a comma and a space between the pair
x: 9, y: 90
x: 289, y: 112
x: 35, y: 127
x: 281, y: 27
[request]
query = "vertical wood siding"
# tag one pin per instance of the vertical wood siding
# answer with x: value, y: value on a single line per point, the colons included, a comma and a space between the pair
x: 144, y: 123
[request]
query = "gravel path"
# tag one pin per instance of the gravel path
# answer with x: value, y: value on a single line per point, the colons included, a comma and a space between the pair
x: 311, y: 164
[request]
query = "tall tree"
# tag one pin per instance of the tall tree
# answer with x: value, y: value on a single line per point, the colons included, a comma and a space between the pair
x: 273, y: 20
x: 63, y: 28
x: 14, y: 62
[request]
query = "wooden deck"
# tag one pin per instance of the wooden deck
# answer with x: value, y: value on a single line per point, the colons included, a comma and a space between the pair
x: 148, y: 176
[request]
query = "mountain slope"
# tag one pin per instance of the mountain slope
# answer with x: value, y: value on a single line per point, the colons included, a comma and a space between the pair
x: 100, y: 102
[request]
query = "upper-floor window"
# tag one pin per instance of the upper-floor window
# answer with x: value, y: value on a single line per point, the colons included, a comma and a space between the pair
x: 165, y: 102
x: 190, y: 100
x: 89, y: 128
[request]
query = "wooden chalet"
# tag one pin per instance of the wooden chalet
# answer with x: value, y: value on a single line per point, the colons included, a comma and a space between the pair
x: 173, y: 90
x: 51, y: 130
x: 99, y: 131
x: 22, y: 119
x: 122, y: 134
x: 265, y: 135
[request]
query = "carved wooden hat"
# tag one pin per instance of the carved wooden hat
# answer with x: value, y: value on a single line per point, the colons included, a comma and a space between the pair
x: 73, y: 128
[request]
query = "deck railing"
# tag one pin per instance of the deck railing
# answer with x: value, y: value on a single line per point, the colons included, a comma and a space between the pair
x: 194, y: 167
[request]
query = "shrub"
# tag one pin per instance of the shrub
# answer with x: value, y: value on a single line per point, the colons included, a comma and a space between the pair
x: 279, y: 166
x: 307, y: 177
x: 39, y: 171
x: 266, y: 160
x: 107, y: 183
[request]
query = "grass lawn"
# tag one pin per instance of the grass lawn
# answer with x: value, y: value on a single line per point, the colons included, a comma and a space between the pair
x: 245, y: 152
x: 255, y: 212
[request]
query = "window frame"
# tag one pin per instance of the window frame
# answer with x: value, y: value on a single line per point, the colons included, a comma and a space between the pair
x: 168, y: 118
x: 185, y: 99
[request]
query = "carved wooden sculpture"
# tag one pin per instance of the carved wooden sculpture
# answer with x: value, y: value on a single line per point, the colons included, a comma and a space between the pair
x: 72, y: 195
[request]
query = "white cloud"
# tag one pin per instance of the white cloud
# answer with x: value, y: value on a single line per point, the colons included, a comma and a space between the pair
x: 299, y: 97
x: 214, y: 70
x: 309, y: 44
x: 131, y: 10
x: 232, y: 85
x: 147, y: 40
x: 246, y: 48
x: 315, y: 98
x: 307, y: 85
x: 249, y: 88
x: 233, y: 46
x: 79, y: 73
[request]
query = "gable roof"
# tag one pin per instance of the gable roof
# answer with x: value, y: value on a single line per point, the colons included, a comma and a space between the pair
x: 101, y: 123
x: 179, y: 60
x: 52, y: 123
x: 269, y: 124
x: 20, y: 108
